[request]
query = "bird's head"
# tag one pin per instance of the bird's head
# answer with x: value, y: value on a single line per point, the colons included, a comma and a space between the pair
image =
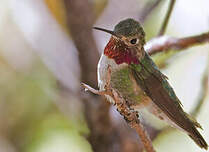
x: 126, y: 43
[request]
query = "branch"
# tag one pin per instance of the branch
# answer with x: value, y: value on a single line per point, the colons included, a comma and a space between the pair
x: 147, y: 10
x: 204, y: 91
x: 167, y: 17
x: 165, y: 43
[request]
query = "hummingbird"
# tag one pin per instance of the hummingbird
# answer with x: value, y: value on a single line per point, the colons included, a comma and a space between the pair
x: 137, y: 79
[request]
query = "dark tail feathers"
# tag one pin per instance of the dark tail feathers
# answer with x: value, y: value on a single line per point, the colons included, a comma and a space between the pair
x: 199, y: 140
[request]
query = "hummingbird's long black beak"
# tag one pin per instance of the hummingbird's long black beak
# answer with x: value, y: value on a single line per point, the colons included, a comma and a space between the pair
x: 107, y: 31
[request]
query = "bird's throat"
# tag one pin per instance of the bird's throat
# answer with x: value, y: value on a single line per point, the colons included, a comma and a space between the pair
x: 120, y: 52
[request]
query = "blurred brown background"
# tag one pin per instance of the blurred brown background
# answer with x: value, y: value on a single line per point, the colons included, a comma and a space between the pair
x: 47, y: 47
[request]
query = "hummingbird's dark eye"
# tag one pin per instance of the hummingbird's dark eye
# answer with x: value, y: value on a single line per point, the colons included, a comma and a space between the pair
x: 134, y: 41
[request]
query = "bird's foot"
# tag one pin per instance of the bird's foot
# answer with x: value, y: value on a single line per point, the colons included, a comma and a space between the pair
x: 97, y: 92
x: 89, y: 88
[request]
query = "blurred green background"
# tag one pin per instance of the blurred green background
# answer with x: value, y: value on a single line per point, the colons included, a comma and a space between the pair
x: 41, y: 107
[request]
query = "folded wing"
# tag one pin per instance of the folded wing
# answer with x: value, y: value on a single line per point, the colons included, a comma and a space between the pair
x: 155, y: 85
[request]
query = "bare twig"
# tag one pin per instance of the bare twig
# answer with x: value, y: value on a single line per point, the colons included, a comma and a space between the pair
x: 167, y: 17
x: 204, y: 91
x: 147, y: 10
x: 144, y: 136
x: 126, y: 111
x: 163, y: 44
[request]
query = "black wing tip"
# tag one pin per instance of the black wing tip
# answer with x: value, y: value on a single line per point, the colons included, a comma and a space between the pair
x: 199, y: 140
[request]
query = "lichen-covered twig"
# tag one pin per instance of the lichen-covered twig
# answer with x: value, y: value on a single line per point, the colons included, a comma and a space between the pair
x: 165, y: 43
x: 126, y: 111
x: 167, y: 17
